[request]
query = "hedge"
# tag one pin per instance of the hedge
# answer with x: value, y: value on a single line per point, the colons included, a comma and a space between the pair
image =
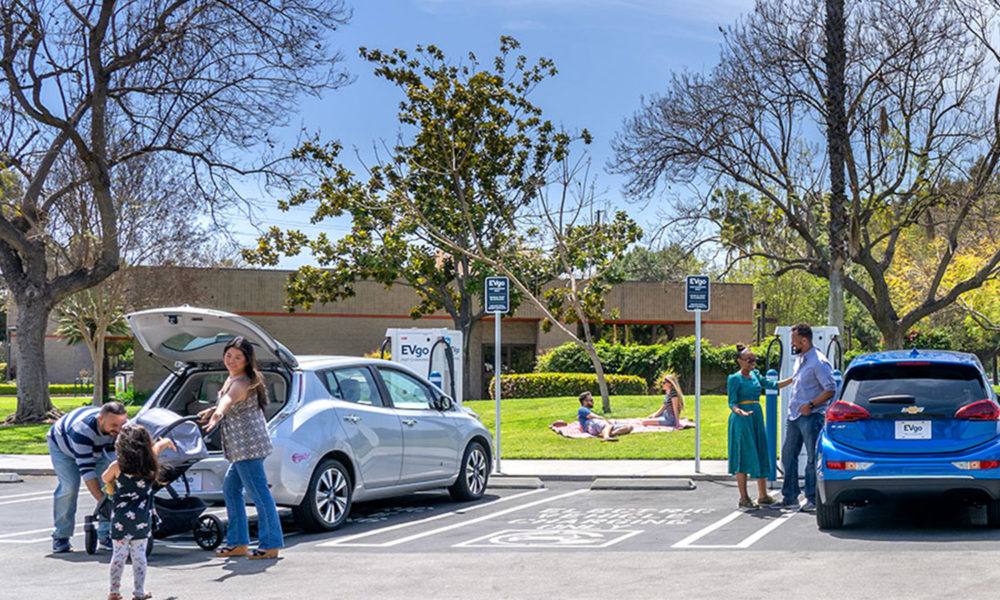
x: 548, y: 385
x: 647, y: 362
x: 55, y: 389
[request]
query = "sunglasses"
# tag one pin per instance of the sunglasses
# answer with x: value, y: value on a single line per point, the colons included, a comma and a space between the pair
x: 750, y: 360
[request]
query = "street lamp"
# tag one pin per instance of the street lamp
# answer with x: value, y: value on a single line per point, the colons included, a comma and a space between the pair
x: 10, y: 334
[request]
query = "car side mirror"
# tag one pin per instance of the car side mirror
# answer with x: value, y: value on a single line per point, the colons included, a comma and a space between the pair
x: 443, y: 403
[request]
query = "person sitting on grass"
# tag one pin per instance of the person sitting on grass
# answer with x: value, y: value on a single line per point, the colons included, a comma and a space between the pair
x: 595, y: 424
x: 669, y: 414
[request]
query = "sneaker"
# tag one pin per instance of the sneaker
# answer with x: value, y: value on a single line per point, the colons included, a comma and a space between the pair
x: 785, y: 503
x: 765, y: 501
x: 748, y: 504
x: 105, y: 543
x: 809, y: 506
x: 60, y: 545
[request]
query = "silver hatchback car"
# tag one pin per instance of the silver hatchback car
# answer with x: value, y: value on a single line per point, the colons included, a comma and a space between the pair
x: 344, y: 429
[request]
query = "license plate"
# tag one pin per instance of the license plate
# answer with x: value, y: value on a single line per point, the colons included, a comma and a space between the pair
x: 193, y: 479
x: 913, y: 430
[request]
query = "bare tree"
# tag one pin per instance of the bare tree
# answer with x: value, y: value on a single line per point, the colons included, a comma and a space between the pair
x: 99, y: 84
x: 836, y: 134
x: 920, y: 149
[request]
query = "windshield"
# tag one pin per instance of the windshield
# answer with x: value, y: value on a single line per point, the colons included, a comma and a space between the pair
x: 933, y: 390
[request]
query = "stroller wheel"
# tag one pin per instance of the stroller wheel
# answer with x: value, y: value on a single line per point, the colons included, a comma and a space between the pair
x: 149, y: 546
x: 209, y: 532
x: 89, y: 534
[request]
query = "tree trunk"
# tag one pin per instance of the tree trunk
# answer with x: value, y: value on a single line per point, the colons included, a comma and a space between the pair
x: 892, y: 334
x: 33, y: 403
x: 602, y: 384
x: 99, y: 361
x: 836, y: 140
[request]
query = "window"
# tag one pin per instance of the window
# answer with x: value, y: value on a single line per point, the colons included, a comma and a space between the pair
x: 940, y: 389
x: 405, y: 391
x: 353, y: 384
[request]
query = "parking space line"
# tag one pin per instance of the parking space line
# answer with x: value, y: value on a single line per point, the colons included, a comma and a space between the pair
x: 39, y: 494
x: 750, y: 540
x: 348, y: 538
x: 416, y: 536
x: 34, y: 499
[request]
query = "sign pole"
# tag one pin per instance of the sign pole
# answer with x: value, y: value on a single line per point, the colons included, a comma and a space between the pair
x: 497, y: 302
x: 697, y: 298
x: 496, y: 381
x: 697, y: 391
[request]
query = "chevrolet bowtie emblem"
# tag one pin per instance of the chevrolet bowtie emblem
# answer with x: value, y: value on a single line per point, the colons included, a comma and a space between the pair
x: 912, y: 410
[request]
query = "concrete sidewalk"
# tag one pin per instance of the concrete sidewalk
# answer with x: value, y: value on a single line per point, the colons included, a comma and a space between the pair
x: 569, y: 469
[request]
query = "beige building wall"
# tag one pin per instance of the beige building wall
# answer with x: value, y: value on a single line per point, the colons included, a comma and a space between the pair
x: 357, y: 325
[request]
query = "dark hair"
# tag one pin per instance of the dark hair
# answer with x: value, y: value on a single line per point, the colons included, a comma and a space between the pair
x: 134, y: 448
x: 739, y: 352
x: 251, y: 371
x: 804, y: 330
x: 584, y: 396
x: 113, y: 408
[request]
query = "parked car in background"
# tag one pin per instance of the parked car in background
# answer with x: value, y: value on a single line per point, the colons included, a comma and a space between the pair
x: 914, y: 423
x: 344, y: 429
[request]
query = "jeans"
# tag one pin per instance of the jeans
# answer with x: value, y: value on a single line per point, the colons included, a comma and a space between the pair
x: 67, y: 490
x: 249, y: 475
x: 803, y: 430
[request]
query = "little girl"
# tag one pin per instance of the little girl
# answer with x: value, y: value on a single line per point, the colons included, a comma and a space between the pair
x: 133, y: 474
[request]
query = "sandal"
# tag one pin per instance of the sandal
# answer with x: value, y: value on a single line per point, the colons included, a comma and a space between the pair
x: 145, y: 596
x: 231, y: 551
x: 114, y: 596
x: 259, y: 554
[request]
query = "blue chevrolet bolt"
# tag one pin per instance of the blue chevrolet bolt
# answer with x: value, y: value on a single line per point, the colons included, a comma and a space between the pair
x: 904, y: 422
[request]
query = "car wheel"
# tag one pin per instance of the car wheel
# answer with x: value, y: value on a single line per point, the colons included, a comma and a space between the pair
x: 993, y: 513
x: 473, y: 474
x: 829, y: 515
x: 327, y: 503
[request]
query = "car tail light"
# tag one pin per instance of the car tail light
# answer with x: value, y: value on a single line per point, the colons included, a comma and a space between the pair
x: 976, y: 465
x: 846, y: 412
x: 847, y: 465
x: 983, y: 410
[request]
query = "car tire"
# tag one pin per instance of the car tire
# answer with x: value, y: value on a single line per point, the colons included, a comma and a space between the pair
x: 993, y: 513
x: 327, y: 502
x: 829, y: 515
x: 473, y: 474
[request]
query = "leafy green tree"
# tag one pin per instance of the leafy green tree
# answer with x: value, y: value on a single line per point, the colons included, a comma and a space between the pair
x: 921, y: 147
x: 473, y: 153
x: 670, y: 263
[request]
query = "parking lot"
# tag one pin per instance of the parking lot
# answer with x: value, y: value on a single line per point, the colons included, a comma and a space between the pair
x: 533, y: 532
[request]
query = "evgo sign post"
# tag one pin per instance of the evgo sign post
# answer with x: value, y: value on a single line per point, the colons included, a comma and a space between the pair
x: 497, y: 302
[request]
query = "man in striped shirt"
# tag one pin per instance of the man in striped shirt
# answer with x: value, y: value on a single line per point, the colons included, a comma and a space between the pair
x: 77, y: 445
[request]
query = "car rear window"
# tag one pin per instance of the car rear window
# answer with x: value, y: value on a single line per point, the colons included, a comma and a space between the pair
x: 938, y: 389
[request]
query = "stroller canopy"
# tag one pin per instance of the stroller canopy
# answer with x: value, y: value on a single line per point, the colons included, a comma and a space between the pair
x: 185, y: 435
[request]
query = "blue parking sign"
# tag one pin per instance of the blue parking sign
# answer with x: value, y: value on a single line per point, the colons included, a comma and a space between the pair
x: 697, y: 293
x: 497, y: 295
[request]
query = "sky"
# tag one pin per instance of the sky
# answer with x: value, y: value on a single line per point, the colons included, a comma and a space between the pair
x: 609, y: 53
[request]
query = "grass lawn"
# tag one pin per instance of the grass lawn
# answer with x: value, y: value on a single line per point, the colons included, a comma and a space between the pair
x: 30, y: 439
x: 525, y: 429
x: 525, y: 433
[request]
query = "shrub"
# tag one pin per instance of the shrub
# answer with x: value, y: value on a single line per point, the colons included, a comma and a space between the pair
x: 547, y: 385
x: 55, y: 389
x: 130, y: 397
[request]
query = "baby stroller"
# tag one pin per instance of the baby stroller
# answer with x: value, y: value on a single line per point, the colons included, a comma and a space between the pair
x: 174, y: 514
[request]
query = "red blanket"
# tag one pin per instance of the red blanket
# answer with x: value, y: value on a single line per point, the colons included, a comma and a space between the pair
x: 572, y: 430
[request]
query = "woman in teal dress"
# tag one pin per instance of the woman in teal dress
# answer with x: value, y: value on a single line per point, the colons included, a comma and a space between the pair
x: 747, y: 437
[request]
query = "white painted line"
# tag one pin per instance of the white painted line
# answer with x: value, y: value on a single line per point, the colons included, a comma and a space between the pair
x: 750, y: 540
x: 495, y: 539
x: 39, y: 494
x: 36, y: 499
x: 765, y: 530
x: 17, y: 533
x: 417, y: 536
x: 348, y: 538
x: 686, y: 542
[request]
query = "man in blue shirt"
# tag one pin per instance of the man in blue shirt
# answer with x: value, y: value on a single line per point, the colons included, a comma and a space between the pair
x: 78, y: 443
x: 812, y: 387
x: 595, y: 424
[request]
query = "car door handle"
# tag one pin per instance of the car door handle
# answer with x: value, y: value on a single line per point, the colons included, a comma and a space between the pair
x: 352, y: 418
x: 410, y: 422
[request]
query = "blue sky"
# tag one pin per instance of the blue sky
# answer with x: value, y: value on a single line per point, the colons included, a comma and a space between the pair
x: 609, y: 54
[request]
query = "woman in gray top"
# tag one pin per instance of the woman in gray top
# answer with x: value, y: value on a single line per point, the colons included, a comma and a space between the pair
x: 245, y: 442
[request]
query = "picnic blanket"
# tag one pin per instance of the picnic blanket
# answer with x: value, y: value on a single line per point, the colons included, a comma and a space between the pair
x: 572, y: 429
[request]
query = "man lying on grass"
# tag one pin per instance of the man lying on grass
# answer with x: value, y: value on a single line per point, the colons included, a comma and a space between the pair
x: 595, y: 424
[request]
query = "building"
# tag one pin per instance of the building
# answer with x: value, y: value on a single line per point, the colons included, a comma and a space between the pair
x: 647, y: 312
